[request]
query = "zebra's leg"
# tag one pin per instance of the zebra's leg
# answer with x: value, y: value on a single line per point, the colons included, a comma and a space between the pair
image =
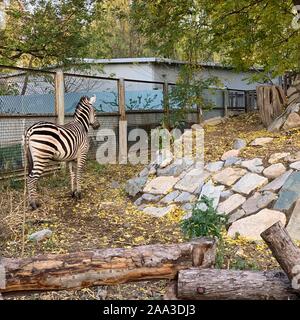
x: 80, y: 165
x: 73, y: 177
x: 33, y: 177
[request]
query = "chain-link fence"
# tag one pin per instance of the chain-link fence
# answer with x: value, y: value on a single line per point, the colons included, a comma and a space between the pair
x: 29, y: 96
x: 25, y: 98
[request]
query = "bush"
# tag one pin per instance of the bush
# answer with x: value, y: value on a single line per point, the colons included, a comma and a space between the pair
x: 205, y: 220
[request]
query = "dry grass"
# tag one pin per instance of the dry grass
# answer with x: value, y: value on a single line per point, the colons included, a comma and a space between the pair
x: 106, y: 217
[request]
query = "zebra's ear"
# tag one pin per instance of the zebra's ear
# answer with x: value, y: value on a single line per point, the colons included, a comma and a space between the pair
x: 93, y: 99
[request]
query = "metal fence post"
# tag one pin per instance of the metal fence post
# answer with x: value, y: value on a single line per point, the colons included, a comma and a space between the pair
x: 59, y: 97
x: 122, y: 123
x: 166, y: 105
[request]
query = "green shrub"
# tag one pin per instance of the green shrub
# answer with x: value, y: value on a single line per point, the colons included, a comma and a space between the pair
x: 205, y: 220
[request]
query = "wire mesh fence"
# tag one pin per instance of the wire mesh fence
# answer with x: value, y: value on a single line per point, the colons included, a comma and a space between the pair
x: 29, y: 96
x: 25, y: 98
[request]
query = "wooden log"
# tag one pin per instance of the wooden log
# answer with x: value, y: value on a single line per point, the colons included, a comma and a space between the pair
x: 213, y: 284
x: 106, y: 266
x: 270, y: 102
x: 283, y: 249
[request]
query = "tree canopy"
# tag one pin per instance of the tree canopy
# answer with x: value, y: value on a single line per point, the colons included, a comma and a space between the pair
x: 243, y: 33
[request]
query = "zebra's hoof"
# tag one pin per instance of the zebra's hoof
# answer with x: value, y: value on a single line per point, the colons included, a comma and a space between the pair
x: 34, y: 205
x: 76, y: 195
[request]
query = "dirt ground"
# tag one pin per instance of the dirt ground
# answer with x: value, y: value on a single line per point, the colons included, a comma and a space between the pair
x: 106, y: 217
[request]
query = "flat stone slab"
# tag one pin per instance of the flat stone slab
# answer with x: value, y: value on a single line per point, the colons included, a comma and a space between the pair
x: 229, y: 176
x: 185, y: 197
x: 258, y: 201
x: 238, y: 214
x: 160, y: 185
x: 225, y: 194
x: 275, y: 157
x: 158, y: 211
x: 249, y: 182
x: 293, y: 227
x: 274, y: 170
x: 192, y: 181
x: 229, y: 154
x: 214, y: 166
x: 170, y: 197
x: 231, y: 204
x: 295, y: 165
x: 175, y: 168
x: 254, y: 165
x: 212, y: 192
x: 289, y: 193
x: 277, y: 183
x: 261, y: 141
x: 251, y: 227
x: 232, y: 161
x: 135, y: 185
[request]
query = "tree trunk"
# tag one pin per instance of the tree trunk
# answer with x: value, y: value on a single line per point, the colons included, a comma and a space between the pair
x: 105, y: 267
x: 283, y: 249
x: 270, y: 102
x: 212, y: 284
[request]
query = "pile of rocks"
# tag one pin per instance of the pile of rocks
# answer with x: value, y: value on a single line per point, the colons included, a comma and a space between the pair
x: 254, y: 193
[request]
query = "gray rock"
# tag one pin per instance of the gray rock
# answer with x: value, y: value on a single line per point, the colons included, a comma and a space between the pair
x: 160, y: 185
x: 274, y: 171
x: 254, y: 165
x: 135, y: 185
x: 192, y: 181
x: 276, y: 184
x: 175, y: 168
x: 170, y: 197
x: 238, y: 214
x: 249, y: 182
x: 40, y: 235
x: 261, y: 141
x: 148, y: 197
x: 185, y: 197
x: 138, y: 201
x: 115, y: 184
x: 293, y: 227
x: 187, y: 207
x: 212, y: 192
x: 158, y: 211
x: 225, y: 194
x: 229, y: 176
x: 251, y: 227
x: 289, y: 193
x: 293, y: 158
x: 231, y: 204
x: 187, y: 215
x: 229, y: 154
x: 295, y: 165
x: 214, y: 166
x: 239, y: 144
x: 292, y: 121
x: 258, y: 201
x: 275, y: 157
x: 232, y: 160
x: 144, y: 172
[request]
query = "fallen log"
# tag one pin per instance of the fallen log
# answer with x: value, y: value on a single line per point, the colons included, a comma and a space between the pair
x: 284, y: 250
x: 213, y: 284
x: 105, y: 267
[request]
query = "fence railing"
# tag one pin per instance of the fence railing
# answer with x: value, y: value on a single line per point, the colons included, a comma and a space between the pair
x: 31, y: 95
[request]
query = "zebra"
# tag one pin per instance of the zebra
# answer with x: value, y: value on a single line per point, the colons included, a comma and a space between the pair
x: 46, y: 141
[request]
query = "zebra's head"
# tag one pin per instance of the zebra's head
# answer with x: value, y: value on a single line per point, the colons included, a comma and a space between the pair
x: 86, y: 110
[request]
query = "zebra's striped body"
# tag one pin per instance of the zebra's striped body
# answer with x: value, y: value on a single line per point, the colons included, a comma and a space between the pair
x: 46, y: 141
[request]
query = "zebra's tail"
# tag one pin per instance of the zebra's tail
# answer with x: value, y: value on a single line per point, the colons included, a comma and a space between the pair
x: 27, y: 152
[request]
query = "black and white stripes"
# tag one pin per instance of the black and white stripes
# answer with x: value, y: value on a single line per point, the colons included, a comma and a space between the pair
x: 45, y: 142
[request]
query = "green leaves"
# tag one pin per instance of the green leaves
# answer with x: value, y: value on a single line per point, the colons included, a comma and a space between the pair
x: 205, y: 220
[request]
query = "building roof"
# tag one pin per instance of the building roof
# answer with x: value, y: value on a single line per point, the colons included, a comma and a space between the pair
x: 158, y: 60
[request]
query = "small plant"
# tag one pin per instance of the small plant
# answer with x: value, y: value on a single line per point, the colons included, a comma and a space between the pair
x: 205, y: 220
